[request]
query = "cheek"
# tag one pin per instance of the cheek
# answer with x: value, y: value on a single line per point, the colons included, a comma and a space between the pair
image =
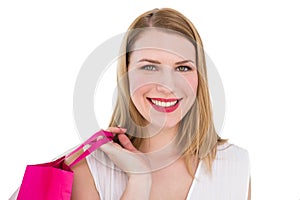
x: 139, y: 83
x: 137, y: 87
x: 192, y: 82
x: 135, y: 82
x: 139, y: 94
x: 138, y: 97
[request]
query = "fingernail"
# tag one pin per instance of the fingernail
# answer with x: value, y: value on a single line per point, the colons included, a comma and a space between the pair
x: 123, y: 129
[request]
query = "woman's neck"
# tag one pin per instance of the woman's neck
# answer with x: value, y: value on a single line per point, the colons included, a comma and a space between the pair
x: 161, y: 149
x: 158, y: 139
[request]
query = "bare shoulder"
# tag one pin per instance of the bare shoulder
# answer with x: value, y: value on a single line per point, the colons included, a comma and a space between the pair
x: 83, y: 185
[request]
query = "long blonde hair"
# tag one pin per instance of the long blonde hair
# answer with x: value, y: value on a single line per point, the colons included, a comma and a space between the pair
x: 198, y: 136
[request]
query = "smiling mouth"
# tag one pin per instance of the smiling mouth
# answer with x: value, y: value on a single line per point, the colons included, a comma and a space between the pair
x: 164, y: 105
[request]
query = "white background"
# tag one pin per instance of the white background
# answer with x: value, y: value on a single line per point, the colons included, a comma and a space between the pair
x: 255, y: 46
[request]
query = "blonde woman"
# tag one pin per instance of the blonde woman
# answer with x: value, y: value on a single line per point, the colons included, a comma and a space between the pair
x: 166, y: 145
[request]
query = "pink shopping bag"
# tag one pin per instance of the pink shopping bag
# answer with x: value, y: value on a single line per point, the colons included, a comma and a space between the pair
x: 53, y: 180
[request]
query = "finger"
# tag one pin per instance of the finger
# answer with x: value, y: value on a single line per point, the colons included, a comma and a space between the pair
x: 126, y: 143
x: 113, y: 149
x: 110, y: 147
x: 116, y: 130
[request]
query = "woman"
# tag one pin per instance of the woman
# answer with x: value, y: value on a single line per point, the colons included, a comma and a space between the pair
x: 165, y: 146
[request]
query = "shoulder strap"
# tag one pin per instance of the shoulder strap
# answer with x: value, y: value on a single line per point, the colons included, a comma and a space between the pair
x: 95, y: 141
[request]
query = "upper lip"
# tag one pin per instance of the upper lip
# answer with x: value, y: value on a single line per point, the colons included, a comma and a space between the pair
x: 165, y: 100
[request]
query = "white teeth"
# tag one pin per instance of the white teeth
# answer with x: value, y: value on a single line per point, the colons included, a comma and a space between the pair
x: 164, y: 104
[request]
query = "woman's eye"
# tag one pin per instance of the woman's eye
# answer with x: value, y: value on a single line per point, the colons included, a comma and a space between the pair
x: 183, y: 68
x: 149, y: 67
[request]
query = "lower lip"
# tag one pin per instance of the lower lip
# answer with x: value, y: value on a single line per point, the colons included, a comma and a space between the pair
x: 165, y: 109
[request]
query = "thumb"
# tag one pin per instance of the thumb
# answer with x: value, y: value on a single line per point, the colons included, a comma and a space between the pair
x: 126, y: 143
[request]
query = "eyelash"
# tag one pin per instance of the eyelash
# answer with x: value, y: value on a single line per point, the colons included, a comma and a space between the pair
x: 187, y: 68
x: 153, y: 68
x: 146, y: 67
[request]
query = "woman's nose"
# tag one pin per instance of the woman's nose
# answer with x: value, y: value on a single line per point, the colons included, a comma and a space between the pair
x: 167, y: 82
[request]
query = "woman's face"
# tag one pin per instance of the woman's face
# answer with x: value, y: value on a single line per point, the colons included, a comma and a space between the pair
x: 163, y: 77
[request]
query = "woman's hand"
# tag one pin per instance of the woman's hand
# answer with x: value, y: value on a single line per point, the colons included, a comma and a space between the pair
x: 126, y: 157
x: 131, y: 161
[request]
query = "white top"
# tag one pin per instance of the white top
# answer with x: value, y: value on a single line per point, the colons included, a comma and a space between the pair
x: 229, y: 179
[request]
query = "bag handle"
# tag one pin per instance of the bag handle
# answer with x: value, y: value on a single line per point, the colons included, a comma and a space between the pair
x: 94, y: 141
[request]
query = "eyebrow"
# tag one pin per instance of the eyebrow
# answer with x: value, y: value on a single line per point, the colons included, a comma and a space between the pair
x: 157, y: 62
x: 149, y: 60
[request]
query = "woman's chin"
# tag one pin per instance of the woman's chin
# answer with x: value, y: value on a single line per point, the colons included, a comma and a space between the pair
x: 156, y: 126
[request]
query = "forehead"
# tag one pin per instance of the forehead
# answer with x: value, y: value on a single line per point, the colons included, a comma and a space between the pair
x: 165, y: 42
